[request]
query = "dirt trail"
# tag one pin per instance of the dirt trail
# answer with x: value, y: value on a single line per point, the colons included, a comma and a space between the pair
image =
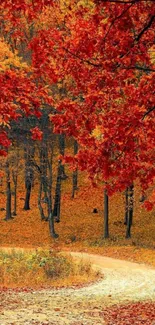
x: 123, y: 281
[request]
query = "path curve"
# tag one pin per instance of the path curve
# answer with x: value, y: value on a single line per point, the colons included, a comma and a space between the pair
x: 123, y: 281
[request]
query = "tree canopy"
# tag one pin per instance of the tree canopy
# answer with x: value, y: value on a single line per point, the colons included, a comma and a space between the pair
x: 99, y: 55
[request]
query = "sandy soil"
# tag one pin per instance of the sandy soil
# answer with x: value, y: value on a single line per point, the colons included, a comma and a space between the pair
x: 122, y: 282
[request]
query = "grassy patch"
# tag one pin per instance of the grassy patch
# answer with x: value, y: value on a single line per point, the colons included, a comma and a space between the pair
x: 37, y: 268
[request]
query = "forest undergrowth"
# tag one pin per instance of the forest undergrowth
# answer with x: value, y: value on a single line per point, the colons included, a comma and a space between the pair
x: 40, y: 268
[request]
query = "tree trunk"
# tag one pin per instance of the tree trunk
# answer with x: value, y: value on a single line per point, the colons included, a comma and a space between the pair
x: 75, y: 172
x: 43, y: 177
x: 27, y: 197
x: 8, y: 192
x: 62, y: 152
x: 57, y: 202
x: 29, y: 175
x: 126, y: 207
x: 51, y: 226
x: 50, y: 213
x: 130, y: 211
x: 106, y: 215
x: 39, y: 201
x: 15, y: 179
x: 15, y: 173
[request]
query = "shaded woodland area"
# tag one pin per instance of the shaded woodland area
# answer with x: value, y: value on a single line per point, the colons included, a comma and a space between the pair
x: 34, y: 175
x: 32, y: 163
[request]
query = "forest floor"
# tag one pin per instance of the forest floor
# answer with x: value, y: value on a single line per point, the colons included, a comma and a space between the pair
x: 80, y: 229
x: 107, y: 301
x: 126, y: 295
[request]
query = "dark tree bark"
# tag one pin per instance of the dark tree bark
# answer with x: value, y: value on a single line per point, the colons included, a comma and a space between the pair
x: 126, y: 207
x: 62, y: 144
x: 8, y: 192
x: 61, y: 138
x: 45, y: 187
x: 57, y: 201
x: 51, y: 226
x: 130, y: 210
x: 106, y: 215
x: 43, y: 177
x: 15, y: 181
x: 29, y: 175
x: 142, y: 198
x: 39, y: 201
x: 15, y: 172
x: 29, y: 180
x: 75, y: 172
x: 50, y: 212
x: 1, y: 178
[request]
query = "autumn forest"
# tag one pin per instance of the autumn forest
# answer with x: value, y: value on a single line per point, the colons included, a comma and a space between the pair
x: 77, y: 161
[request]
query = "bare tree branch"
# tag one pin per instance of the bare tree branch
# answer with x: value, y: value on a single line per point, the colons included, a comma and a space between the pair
x: 118, y: 17
x: 98, y: 65
x: 148, y: 112
x: 146, y: 27
x: 136, y: 67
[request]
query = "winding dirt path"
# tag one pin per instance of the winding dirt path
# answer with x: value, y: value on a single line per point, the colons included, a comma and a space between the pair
x: 123, y: 281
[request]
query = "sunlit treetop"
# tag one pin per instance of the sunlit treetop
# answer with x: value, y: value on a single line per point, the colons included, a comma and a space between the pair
x: 8, y: 59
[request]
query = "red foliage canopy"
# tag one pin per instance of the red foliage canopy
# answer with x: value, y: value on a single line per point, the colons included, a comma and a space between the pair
x: 19, y: 95
x: 106, y: 54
